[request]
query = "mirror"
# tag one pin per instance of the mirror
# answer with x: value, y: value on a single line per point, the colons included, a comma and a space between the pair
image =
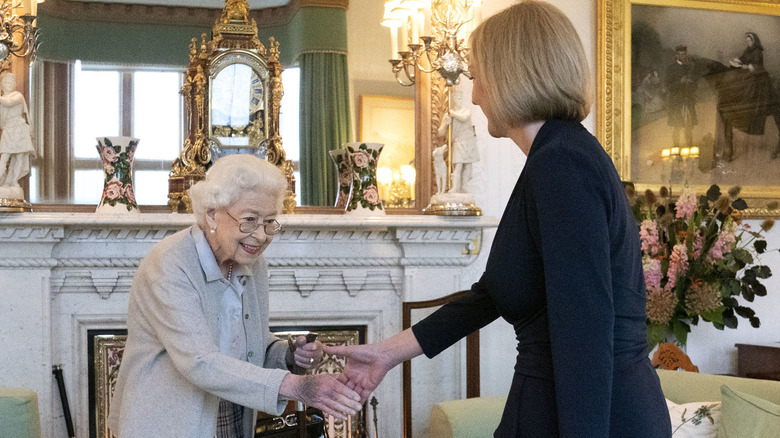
x: 133, y: 25
x: 237, y: 115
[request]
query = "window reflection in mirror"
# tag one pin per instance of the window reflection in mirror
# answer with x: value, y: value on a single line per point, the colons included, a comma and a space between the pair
x: 238, y: 107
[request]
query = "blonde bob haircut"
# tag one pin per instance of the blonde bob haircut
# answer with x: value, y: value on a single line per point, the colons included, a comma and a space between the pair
x: 532, y: 65
x: 231, y: 176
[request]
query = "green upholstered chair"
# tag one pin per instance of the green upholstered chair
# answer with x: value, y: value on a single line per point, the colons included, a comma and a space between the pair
x: 19, y: 416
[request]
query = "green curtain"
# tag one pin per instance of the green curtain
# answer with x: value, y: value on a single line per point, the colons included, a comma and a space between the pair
x: 311, y: 29
x: 324, y: 125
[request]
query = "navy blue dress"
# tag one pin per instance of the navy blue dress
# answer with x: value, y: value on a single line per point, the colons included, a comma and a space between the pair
x: 565, y: 270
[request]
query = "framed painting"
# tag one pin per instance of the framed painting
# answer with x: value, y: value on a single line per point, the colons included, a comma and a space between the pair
x: 390, y: 121
x: 355, y: 425
x: 689, y: 93
x: 108, y: 349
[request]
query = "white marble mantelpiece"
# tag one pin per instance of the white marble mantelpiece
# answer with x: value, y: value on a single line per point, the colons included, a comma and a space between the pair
x: 62, y: 274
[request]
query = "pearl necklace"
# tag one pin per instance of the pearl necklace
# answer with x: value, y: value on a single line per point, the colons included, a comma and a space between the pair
x: 230, y: 273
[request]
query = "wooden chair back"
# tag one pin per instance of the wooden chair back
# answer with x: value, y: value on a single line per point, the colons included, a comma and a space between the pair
x: 472, y: 357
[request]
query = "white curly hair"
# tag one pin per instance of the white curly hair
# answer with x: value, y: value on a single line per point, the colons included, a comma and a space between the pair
x: 232, y: 175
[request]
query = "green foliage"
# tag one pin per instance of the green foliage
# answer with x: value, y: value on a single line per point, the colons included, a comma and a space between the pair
x: 716, y: 260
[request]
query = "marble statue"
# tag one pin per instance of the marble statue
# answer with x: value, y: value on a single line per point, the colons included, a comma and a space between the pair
x: 16, y: 146
x: 464, y: 143
x: 440, y: 169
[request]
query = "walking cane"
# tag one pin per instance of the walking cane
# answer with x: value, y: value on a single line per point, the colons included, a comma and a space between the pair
x: 300, y: 408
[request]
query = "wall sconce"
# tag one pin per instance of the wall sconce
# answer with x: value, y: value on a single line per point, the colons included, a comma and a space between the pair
x: 18, y: 35
x: 444, y: 51
x: 396, y: 187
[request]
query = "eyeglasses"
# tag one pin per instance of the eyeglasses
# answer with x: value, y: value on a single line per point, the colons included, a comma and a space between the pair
x: 250, y: 226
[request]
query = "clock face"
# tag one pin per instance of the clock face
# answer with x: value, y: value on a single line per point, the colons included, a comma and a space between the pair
x: 257, y: 95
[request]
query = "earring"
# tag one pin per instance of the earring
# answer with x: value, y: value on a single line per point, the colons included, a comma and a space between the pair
x: 213, y: 230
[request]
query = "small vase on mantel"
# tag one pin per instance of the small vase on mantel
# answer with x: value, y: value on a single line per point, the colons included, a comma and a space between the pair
x: 117, y: 154
x: 365, y: 192
x: 344, y: 173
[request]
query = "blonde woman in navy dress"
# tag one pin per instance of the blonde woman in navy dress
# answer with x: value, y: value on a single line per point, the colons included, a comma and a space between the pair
x: 565, y: 267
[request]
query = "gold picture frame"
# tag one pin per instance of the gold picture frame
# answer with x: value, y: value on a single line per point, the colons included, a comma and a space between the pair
x: 355, y: 424
x: 108, y: 349
x: 636, y: 143
x: 108, y: 356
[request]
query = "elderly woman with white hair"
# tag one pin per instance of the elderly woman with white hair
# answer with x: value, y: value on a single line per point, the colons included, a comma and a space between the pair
x: 199, y: 357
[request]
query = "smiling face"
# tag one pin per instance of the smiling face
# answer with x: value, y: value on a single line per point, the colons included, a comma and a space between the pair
x: 231, y: 245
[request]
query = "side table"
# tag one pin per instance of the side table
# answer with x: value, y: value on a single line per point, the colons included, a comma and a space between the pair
x: 758, y: 361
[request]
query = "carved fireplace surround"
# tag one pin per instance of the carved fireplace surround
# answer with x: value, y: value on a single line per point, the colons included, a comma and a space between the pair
x: 63, y: 274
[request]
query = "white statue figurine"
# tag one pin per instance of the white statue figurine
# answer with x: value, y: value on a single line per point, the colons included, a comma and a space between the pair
x: 16, y: 147
x: 464, y: 143
x: 440, y: 169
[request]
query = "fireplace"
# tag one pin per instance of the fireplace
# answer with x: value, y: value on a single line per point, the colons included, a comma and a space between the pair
x: 66, y: 279
x: 105, y: 348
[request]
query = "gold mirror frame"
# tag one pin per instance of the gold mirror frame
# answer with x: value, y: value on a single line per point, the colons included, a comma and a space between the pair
x: 234, y: 41
x: 613, y: 111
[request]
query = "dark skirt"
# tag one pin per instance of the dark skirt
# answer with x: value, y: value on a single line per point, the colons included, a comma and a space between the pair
x: 638, y: 407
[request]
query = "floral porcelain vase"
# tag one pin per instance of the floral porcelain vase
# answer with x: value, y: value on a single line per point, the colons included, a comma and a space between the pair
x: 344, y: 172
x: 365, y: 193
x: 117, y: 155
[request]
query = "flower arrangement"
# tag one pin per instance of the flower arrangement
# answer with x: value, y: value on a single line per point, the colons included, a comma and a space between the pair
x: 698, y: 257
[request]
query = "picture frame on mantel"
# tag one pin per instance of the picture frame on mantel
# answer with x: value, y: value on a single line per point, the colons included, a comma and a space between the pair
x: 637, y: 115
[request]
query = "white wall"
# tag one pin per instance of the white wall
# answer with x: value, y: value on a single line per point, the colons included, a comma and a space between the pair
x: 501, y: 162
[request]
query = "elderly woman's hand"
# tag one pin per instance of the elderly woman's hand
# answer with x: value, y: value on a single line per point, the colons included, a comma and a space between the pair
x: 323, y: 391
x: 307, y: 355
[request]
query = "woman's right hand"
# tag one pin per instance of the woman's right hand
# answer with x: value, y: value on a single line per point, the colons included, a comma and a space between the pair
x: 366, y: 366
x: 322, y: 391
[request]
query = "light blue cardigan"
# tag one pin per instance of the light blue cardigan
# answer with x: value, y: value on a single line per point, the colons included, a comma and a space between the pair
x: 172, y: 374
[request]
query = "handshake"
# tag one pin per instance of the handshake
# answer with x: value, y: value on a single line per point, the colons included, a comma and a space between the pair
x: 343, y: 394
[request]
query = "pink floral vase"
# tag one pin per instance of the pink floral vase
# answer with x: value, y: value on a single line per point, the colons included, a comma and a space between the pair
x: 344, y: 172
x: 117, y: 155
x: 365, y: 192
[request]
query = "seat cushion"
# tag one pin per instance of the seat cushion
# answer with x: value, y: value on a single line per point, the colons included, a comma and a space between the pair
x: 468, y: 418
x: 747, y: 416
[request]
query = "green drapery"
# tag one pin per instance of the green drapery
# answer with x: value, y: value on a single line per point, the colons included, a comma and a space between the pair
x: 324, y: 123
x: 310, y: 29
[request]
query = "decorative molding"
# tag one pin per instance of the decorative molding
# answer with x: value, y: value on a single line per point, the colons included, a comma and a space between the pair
x: 28, y: 262
x: 104, y: 282
x: 98, y: 262
x: 306, y: 282
x: 52, y: 234
x: 173, y: 15
x: 437, y: 261
x: 331, y: 262
x: 138, y: 233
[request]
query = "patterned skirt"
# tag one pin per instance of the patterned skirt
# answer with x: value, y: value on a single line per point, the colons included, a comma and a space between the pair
x: 230, y: 420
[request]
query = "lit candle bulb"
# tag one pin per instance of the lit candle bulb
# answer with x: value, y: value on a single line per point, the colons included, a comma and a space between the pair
x: 394, y: 43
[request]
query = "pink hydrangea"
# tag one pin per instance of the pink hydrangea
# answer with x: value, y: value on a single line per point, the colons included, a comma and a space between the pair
x: 686, y: 204
x: 648, y: 235
x: 726, y: 239
x: 653, y: 274
x: 678, y: 265
x: 697, y: 245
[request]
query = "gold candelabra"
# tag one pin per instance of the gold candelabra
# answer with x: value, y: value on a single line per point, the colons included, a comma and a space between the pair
x: 18, y: 34
x: 442, y: 51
